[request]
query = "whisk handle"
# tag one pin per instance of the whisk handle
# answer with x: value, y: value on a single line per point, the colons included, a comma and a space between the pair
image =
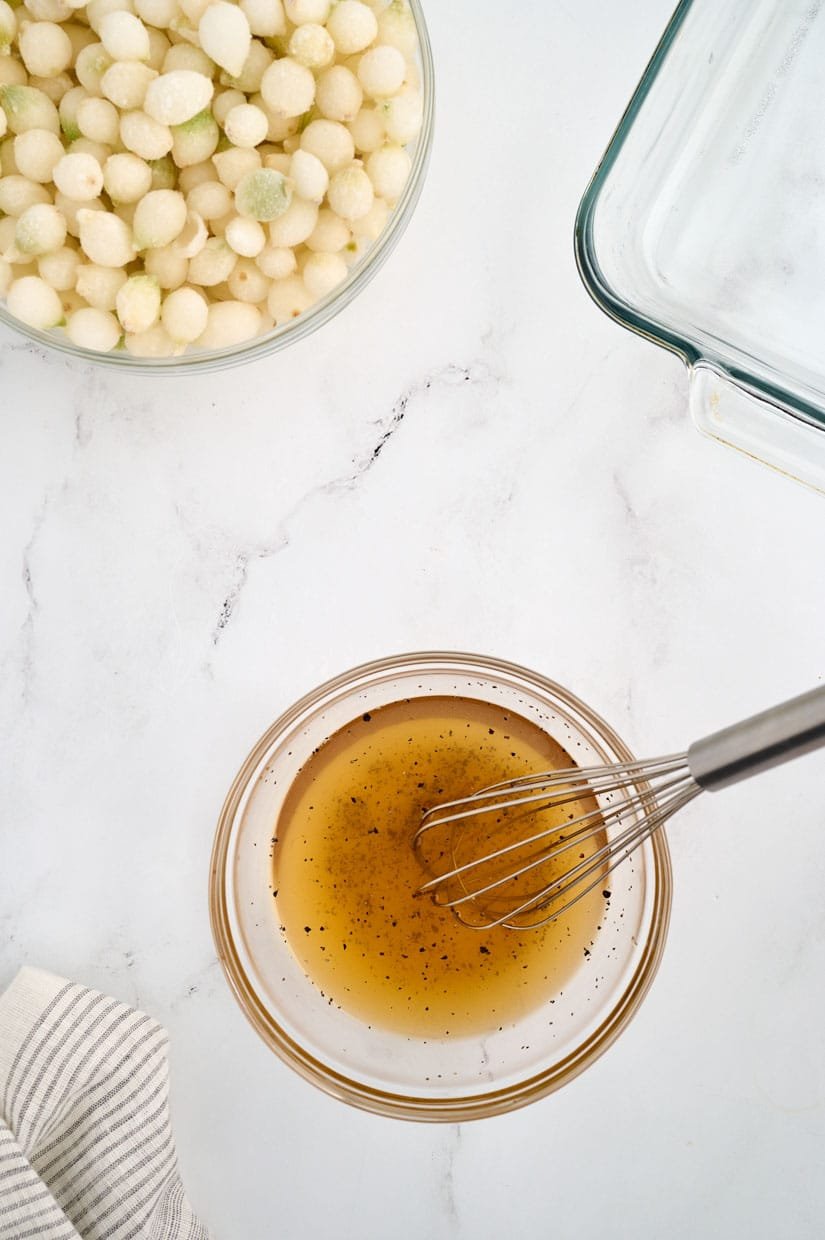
x: 758, y: 743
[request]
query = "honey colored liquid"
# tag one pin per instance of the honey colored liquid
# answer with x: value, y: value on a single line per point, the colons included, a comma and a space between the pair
x: 344, y: 873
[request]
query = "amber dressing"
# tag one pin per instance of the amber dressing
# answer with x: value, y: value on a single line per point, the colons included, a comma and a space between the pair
x: 344, y: 873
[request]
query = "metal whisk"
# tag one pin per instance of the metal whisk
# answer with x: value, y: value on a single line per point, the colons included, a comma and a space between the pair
x: 525, y: 878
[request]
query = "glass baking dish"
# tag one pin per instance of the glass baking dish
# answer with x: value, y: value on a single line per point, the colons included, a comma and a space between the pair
x: 703, y: 228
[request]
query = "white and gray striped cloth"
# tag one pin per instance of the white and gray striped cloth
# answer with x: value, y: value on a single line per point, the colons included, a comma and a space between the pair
x: 86, y: 1145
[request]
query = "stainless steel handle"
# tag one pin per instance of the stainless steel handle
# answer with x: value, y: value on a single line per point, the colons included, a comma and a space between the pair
x: 758, y: 743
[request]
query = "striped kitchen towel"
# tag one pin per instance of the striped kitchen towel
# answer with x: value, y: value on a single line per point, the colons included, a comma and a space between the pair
x: 86, y: 1144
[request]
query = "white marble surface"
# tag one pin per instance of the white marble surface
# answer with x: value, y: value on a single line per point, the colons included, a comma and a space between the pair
x: 181, y: 559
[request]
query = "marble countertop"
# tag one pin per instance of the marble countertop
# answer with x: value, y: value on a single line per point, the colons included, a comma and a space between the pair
x: 471, y: 456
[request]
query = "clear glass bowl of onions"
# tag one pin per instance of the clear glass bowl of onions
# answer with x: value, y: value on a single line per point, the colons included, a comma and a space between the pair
x: 191, y: 184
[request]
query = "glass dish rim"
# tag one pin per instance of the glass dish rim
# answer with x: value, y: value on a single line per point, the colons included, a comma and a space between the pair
x: 622, y: 311
x: 321, y: 312
x: 384, y: 1102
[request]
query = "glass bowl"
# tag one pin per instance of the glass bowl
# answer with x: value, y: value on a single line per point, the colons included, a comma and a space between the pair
x: 390, y: 1073
x: 319, y: 313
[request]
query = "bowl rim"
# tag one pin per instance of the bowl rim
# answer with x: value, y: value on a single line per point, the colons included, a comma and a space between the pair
x: 321, y: 311
x: 495, y: 1101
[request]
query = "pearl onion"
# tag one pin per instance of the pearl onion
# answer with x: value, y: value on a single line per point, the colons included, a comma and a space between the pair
x: 159, y: 219
x: 229, y: 323
x: 295, y: 225
x: 350, y: 193
x: 124, y: 36
x: 138, y: 303
x: 287, y: 299
x: 330, y: 234
x: 388, y: 168
x: 245, y: 236
x: 381, y: 71
x: 353, y: 26
x: 169, y: 267
x: 90, y: 328
x: 288, y: 88
x: 245, y: 125
x: 144, y: 136
x: 176, y: 97
x: 36, y: 152
x: 367, y: 130
x: 233, y: 165
x: 277, y: 262
x: 263, y: 194
x: 247, y: 282
x: 99, y: 285
x: 40, y: 230
x: 210, y: 199
x: 225, y: 36
x: 309, y: 176
x: 312, y: 46
x: 79, y: 176
x: 105, y: 238
x: 126, y: 82
x: 17, y: 194
x: 214, y: 264
x: 59, y: 268
x: 45, y: 48
x: 184, y: 314
x: 338, y: 94
x: 330, y: 142
x: 323, y: 272
x: 301, y: 11
x: 34, y: 302
x: 99, y: 120
x: 126, y: 177
x: 266, y: 17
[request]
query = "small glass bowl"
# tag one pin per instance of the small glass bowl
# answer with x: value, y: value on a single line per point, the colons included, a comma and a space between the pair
x: 453, y: 1079
x: 319, y: 313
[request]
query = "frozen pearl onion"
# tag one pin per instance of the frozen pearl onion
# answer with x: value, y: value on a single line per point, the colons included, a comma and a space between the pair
x: 338, y: 94
x: 225, y: 36
x: 175, y: 97
x: 301, y: 11
x: 263, y: 194
x: 90, y: 328
x: 138, y: 303
x: 330, y: 142
x: 381, y: 71
x: 99, y: 285
x: 229, y: 323
x: 277, y: 262
x: 312, y: 46
x: 195, y: 140
x: 105, y: 238
x: 211, y: 200
x: 350, y: 193
x: 40, y: 229
x: 287, y: 299
x: 169, y: 267
x: 124, y: 36
x: 99, y: 120
x: 388, y: 168
x: 309, y: 176
x: 246, y: 125
x: 330, y: 234
x: 288, y: 88
x: 59, y: 268
x: 233, y: 165
x: 18, y: 193
x: 402, y: 117
x: 36, y: 152
x: 225, y: 101
x: 159, y: 13
x: 247, y: 282
x: 396, y: 27
x: 155, y: 342
x: 126, y: 177
x: 34, y: 302
x: 184, y: 314
x: 26, y: 107
x: 145, y: 136
x: 353, y: 26
x: 192, y: 237
x: 78, y: 176
x: 295, y: 225
x: 324, y: 272
x: 214, y: 264
x: 90, y: 65
x: 159, y: 218
x: 186, y: 56
x: 126, y: 82
x: 266, y: 18
x: 246, y: 237
x: 45, y: 48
